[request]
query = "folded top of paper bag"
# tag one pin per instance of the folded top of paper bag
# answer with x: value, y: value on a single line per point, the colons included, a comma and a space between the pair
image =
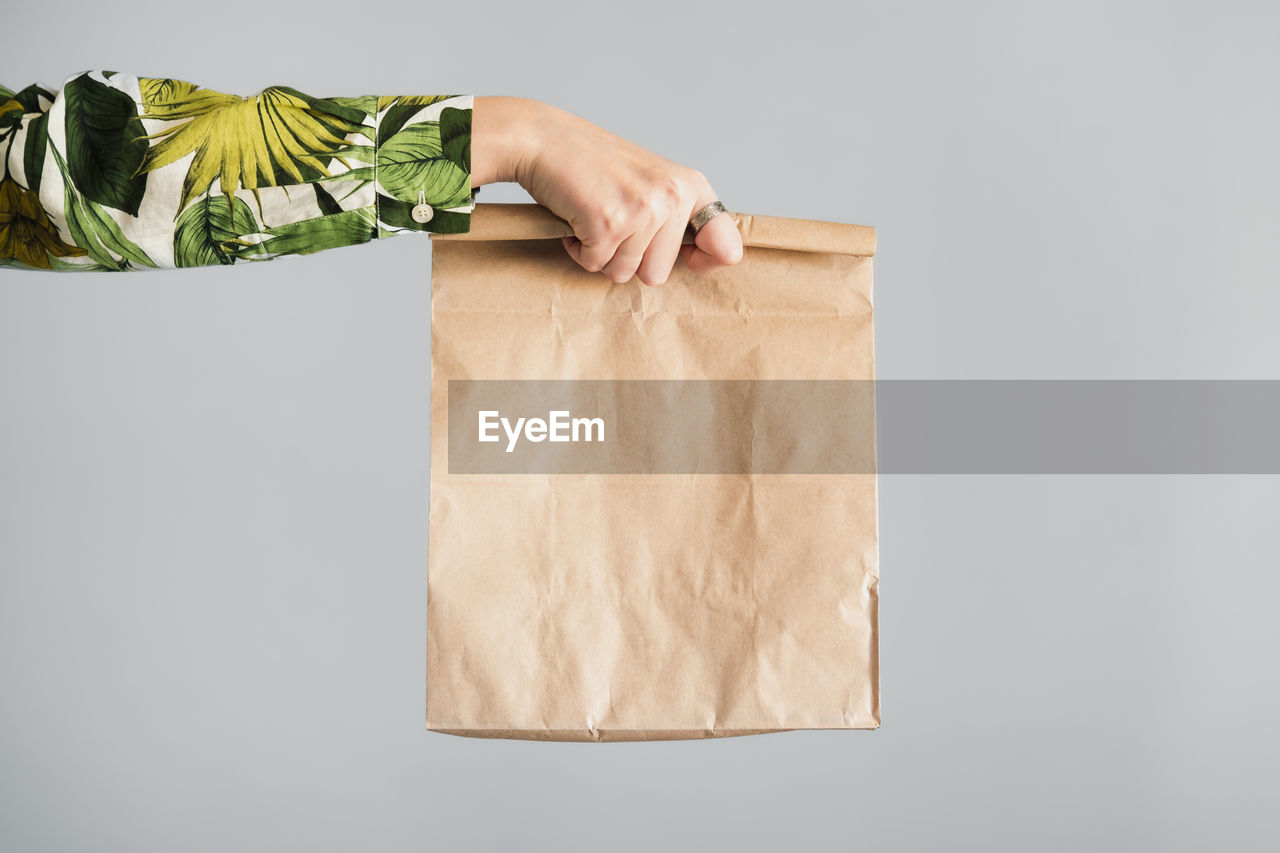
x: 535, y: 222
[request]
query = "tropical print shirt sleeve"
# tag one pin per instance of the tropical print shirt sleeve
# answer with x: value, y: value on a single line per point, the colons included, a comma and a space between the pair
x: 119, y: 172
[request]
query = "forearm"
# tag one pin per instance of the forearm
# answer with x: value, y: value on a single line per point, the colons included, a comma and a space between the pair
x: 504, y: 137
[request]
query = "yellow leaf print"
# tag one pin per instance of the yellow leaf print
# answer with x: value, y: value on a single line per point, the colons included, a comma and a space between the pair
x: 26, y: 234
x: 272, y: 138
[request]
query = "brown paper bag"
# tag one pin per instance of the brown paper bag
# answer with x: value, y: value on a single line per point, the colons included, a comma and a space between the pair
x: 701, y: 570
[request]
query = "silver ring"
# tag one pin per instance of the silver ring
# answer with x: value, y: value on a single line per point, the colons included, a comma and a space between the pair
x: 702, y: 217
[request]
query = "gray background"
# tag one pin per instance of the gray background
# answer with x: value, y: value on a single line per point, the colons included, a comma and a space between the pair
x: 213, y: 503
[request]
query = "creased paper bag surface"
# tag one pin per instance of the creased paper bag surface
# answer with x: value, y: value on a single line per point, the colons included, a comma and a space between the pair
x: 620, y: 603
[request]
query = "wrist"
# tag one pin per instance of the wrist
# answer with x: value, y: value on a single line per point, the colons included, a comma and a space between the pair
x: 504, y: 135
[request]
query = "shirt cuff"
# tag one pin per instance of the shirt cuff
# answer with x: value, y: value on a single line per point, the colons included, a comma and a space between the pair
x: 422, y: 171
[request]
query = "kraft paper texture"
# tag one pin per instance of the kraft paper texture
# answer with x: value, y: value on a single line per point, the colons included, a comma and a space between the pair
x: 641, y: 606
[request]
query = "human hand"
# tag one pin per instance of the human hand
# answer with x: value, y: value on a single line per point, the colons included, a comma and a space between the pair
x: 628, y: 207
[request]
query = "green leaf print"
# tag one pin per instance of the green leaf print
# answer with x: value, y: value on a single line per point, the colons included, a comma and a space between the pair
x: 31, y: 98
x: 313, y: 235
x: 398, y: 111
x: 205, y: 229
x: 414, y: 161
x: 104, y: 144
x: 364, y: 105
x: 93, y: 229
x: 33, y: 155
x: 326, y: 202
x: 455, y: 136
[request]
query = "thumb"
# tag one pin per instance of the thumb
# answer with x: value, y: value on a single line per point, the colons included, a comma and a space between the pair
x: 717, y: 245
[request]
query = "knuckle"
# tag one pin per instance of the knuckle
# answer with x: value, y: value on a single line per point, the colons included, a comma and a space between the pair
x: 655, y: 199
x: 656, y: 209
x: 609, y: 223
x: 670, y: 189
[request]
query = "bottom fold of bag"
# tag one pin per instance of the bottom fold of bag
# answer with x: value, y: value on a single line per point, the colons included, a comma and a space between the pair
x: 617, y: 735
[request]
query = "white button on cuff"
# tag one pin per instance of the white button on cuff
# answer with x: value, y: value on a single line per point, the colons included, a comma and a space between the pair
x: 422, y: 212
